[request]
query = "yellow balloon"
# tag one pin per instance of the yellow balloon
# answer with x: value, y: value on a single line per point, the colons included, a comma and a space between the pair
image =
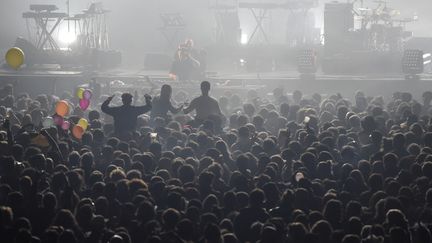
x: 83, y: 123
x: 15, y: 57
x: 80, y: 92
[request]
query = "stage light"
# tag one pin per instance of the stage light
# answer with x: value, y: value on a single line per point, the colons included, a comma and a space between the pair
x: 427, y: 63
x: 244, y: 39
x: 242, y: 62
x: 427, y: 59
x: 414, y: 62
x: 307, y: 62
x: 67, y: 36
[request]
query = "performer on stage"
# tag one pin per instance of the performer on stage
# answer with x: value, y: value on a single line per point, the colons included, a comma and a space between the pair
x: 188, y: 62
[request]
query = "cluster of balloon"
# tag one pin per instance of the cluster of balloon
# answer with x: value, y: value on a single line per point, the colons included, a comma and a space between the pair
x: 15, y: 57
x: 84, y: 95
x: 58, y: 119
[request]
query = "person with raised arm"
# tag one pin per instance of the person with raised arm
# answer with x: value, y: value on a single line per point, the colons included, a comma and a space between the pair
x: 205, y: 106
x: 125, y: 116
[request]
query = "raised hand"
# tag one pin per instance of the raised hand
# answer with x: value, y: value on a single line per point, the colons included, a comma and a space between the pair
x: 148, y: 98
x: 110, y: 98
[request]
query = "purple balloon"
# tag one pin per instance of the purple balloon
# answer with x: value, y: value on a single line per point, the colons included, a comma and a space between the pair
x: 84, y: 104
x: 65, y: 125
x: 58, y: 120
x: 87, y: 94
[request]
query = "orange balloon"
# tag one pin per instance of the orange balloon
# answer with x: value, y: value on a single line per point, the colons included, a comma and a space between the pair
x: 62, y: 108
x: 77, y: 131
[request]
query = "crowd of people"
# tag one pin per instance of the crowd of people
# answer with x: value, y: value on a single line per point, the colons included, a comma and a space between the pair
x: 286, y: 168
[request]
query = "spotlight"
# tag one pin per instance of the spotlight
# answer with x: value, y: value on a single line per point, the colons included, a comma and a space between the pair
x: 66, y: 36
x: 244, y: 39
x: 427, y: 62
x: 414, y: 62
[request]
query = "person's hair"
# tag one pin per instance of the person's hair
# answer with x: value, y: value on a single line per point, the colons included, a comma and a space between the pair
x: 170, y: 217
x: 66, y: 219
x: 256, y: 198
x: 126, y: 98
x: 166, y: 91
x: 6, y: 216
x: 205, y: 86
x: 186, y: 173
x: 323, y: 229
x: 185, y: 229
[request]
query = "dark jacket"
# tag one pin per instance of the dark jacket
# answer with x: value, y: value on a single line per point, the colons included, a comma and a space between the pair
x: 125, y: 116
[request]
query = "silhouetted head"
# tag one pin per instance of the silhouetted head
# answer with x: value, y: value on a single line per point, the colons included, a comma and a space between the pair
x: 189, y: 43
x: 126, y: 98
x: 205, y: 87
x: 166, y: 91
x: 256, y: 198
x: 376, y: 137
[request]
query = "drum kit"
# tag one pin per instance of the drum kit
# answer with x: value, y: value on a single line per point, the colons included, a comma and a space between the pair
x: 382, y: 28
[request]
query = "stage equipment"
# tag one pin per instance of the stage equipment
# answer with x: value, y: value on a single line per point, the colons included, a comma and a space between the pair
x: 43, y: 15
x: 261, y: 11
x: 43, y: 7
x: 378, y: 28
x: 427, y: 62
x: 90, y: 26
x: 414, y: 63
x: 91, y: 49
x: 307, y: 62
x: 172, y: 25
x: 93, y: 27
x: 355, y: 38
x: 338, y: 20
x: 227, y: 20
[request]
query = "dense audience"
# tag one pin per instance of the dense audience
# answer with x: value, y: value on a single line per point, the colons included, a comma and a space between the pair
x: 286, y: 168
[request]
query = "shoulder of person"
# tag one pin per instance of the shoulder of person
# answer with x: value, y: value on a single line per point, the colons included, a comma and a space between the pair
x: 116, y: 107
x: 213, y: 99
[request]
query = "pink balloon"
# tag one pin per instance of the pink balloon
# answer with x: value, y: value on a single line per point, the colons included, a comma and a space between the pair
x: 87, y: 94
x: 84, y: 104
x: 58, y: 120
x: 65, y: 125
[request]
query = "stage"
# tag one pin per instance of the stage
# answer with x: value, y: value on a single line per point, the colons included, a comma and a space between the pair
x: 54, y: 81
